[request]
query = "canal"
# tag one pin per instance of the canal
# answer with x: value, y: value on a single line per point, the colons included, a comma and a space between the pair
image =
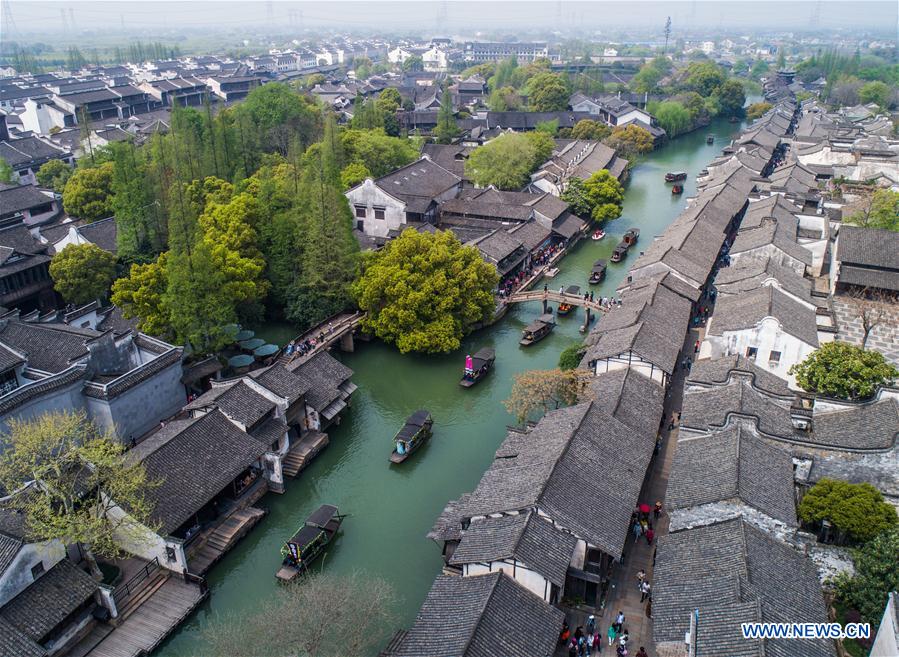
x: 392, y: 508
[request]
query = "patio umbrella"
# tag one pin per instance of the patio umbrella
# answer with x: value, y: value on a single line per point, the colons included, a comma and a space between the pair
x: 245, y: 334
x: 241, y: 360
x: 251, y: 344
x: 266, y: 350
x: 644, y: 508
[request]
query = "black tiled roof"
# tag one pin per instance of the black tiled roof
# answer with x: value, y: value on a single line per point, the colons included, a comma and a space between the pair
x: 323, y: 374
x: 50, y: 348
x: 720, y: 371
x: 243, y: 404
x: 195, y: 465
x: 745, y: 311
x: 49, y: 600
x: 868, y: 246
x: 102, y: 233
x: 734, y: 573
x: 28, y: 150
x: 524, y: 537
x: 482, y: 616
x: 732, y: 464
x: 282, y: 382
x: 14, y: 198
x: 13, y: 643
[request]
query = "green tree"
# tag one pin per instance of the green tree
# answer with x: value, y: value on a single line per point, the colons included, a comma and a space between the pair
x: 424, y: 291
x: 138, y: 230
x: 876, y: 92
x: 589, y: 129
x: 446, y: 129
x: 88, y: 193
x: 54, y: 175
x: 7, y: 175
x: 324, y: 615
x: 277, y: 114
x: 504, y: 99
x: 543, y: 144
x: 673, y: 117
x: 503, y: 75
x: 353, y: 174
x: 876, y: 575
x: 505, y: 162
x: 759, y: 68
x: 331, y: 253
x: 547, y: 92
x: 378, y: 152
x: 647, y: 78
x: 756, y: 110
x: 881, y: 211
x: 857, y: 511
x: 141, y: 295
x: 604, y: 194
x: 229, y: 234
x: 844, y: 371
x: 704, y: 78
x: 630, y: 140
x: 413, y: 64
x: 576, y: 197
x: 731, y: 98
x: 82, y: 272
x: 80, y: 475
x: 570, y: 357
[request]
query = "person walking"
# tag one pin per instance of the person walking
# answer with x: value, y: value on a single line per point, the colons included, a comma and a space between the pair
x: 611, y: 633
x: 591, y: 625
x: 619, y: 621
x: 650, y: 534
x: 642, y: 652
x: 597, y: 642
x: 637, y: 529
x: 658, y: 509
x: 644, y: 591
x: 641, y: 577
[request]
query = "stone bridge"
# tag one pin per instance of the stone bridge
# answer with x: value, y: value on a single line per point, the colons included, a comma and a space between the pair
x: 326, y: 334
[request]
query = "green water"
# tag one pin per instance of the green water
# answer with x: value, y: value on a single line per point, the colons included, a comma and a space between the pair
x: 392, y: 507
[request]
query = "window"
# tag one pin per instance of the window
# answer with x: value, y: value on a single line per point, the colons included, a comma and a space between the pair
x: 360, y: 211
x: 751, y: 352
x: 379, y: 213
x: 774, y: 357
x: 37, y: 569
x: 360, y: 225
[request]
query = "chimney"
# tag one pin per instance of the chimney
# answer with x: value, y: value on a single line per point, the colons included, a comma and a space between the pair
x: 801, y: 411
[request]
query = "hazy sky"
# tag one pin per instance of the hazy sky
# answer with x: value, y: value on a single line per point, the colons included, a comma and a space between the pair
x: 449, y: 17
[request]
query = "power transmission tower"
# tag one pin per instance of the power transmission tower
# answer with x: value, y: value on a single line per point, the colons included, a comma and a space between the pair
x: 65, y: 22
x: 11, y: 26
x: 72, y: 19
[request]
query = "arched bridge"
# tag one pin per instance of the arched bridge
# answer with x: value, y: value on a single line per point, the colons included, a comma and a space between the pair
x: 559, y: 297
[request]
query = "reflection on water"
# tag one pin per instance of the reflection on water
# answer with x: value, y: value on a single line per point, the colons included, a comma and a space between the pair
x: 392, y: 508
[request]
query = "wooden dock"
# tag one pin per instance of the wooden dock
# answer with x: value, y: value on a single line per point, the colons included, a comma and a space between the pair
x: 222, y: 538
x: 151, y: 617
x: 302, y: 452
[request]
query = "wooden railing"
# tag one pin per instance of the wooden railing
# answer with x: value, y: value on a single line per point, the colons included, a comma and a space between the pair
x: 124, y: 590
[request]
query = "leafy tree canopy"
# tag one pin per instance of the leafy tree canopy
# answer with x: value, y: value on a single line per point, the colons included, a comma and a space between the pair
x: 704, y: 77
x: 504, y: 99
x: 842, y: 370
x: 379, y: 153
x: 424, y: 291
x: 505, y: 162
x: 67, y: 454
x: 882, y: 211
x: 353, y: 174
x: 589, y: 129
x: 82, y: 272
x: 548, y: 92
x: 54, y: 175
x: 570, y: 357
x: 876, y: 92
x: 630, y: 140
x: 604, y: 195
x: 673, y: 117
x: 856, y: 510
x: 141, y: 293
x: 88, y: 193
x: 756, y: 110
x: 536, y: 392
x: 875, y: 576
x: 731, y: 98
x: 6, y: 172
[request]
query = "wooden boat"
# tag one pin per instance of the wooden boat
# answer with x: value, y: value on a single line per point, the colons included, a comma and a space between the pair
x: 537, y: 330
x: 413, y: 435
x: 675, y: 176
x: 598, y: 273
x: 565, y: 308
x: 598, y: 235
x: 620, y: 252
x: 677, y: 189
x: 710, y: 139
x: 551, y: 272
x: 477, y: 366
x: 309, y: 542
x: 631, y: 236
